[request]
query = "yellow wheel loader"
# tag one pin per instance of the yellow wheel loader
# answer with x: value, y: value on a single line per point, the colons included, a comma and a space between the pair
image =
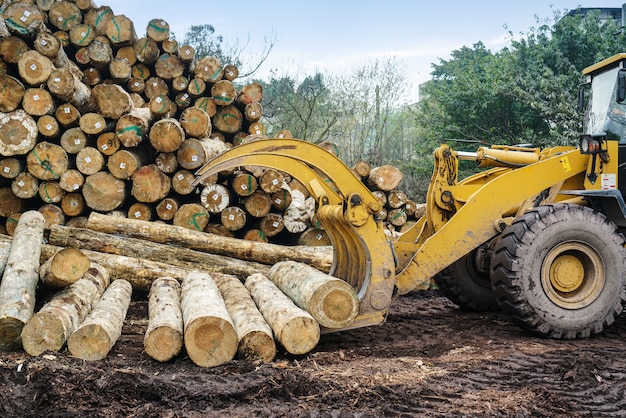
x: 536, y: 233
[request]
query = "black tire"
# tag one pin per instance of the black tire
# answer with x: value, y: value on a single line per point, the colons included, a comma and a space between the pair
x: 559, y: 270
x: 466, y: 286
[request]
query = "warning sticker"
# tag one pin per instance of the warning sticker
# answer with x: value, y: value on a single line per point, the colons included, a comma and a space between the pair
x: 609, y: 181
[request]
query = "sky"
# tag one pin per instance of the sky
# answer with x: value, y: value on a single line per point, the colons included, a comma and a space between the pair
x: 338, y: 36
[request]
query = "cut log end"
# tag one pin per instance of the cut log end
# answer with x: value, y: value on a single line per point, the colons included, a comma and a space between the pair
x: 257, y: 345
x: 210, y: 341
x: 36, y: 342
x: 300, y: 335
x: 91, y: 342
x: 163, y: 343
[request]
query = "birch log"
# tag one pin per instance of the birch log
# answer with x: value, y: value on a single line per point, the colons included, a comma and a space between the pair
x: 64, y: 268
x: 19, y: 280
x: 294, y: 328
x: 164, y: 336
x: 252, y: 251
x: 210, y: 337
x: 95, y: 337
x: 50, y: 328
x: 256, y: 340
x: 331, y: 301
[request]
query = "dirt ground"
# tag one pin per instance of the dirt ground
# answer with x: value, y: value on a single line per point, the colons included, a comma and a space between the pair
x: 428, y: 359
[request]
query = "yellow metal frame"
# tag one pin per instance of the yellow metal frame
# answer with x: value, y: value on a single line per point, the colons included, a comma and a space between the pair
x: 460, y: 216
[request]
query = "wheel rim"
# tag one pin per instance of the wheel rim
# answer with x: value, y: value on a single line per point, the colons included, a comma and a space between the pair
x: 572, y: 275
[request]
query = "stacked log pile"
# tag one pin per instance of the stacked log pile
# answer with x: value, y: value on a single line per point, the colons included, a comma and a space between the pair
x: 215, y: 316
x: 94, y: 118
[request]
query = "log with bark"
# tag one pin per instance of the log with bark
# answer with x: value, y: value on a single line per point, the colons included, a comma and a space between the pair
x: 64, y: 268
x: 331, y: 301
x: 256, y: 340
x: 19, y: 280
x: 51, y: 326
x: 164, y: 336
x: 101, y: 329
x: 163, y: 233
x: 293, y: 327
x: 86, y: 239
x: 209, y: 335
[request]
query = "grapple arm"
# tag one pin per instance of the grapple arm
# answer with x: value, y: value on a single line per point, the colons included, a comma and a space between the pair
x: 362, y: 254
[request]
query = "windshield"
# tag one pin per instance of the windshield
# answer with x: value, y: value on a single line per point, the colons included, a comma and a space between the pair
x: 603, y: 113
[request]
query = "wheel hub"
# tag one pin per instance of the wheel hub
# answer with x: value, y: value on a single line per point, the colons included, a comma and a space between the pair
x: 567, y: 273
x: 572, y: 275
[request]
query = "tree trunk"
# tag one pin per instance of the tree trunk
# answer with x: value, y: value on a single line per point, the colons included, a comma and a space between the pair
x: 93, y: 124
x: 64, y: 268
x: 88, y: 240
x: 228, y: 119
x: 112, y: 101
x: 50, y: 328
x: 313, y: 237
x: 253, y: 111
x: 140, y: 211
x: 362, y: 168
x: 215, y: 198
x: 71, y: 180
x: 10, y: 167
x: 256, y: 340
x: 73, y: 204
x: 53, y: 215
x: 182, y: 182
x: 65, y: 85
x: 396, y: 199
x: 89, y: 161
x: 73, y: 140
x: 252, y: 92
x: 166, y: 208
x: 149, y: 184
x: 9, y: 203
x: 164, y: 337
x: 244, y: 184
x: 293, y: 327
x: 11, y: 93
x: 37, y: 102
x: 191, y: 216
x: 103, y: 192
x: 163, y: 233
x: 51, y: 192
x: 23, y: 19
x: 210, y: 337
x: 34, y: 68
x: 169, y: 66
x: 385, y: 178
x: 67, y: 115
x: 166, y: 135
x: 193, y: 153
x: 133, y: 127
x: 271, y: 181
x: 121, y: 31
x: 25, y: 186
x: 233, y: 218
x: 64, y: 15
x: 18, y: 131
x: 147, y: 50
x: 19, y: 280
x: 82, y: 35
x: 331, y: 301
x: 397, y: 217
x: 223, y: 92
x: 48, y: 127
x: 195, y: 122
x: 47, y: 161
x: 258, y: 204
x: 271, y: 224
x: 100, y: 330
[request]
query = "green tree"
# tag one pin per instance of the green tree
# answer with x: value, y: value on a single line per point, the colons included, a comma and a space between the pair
x: 206, y: 43
x: 305, y: 108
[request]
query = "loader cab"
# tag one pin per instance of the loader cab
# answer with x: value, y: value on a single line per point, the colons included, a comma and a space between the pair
x: 605, y: 116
